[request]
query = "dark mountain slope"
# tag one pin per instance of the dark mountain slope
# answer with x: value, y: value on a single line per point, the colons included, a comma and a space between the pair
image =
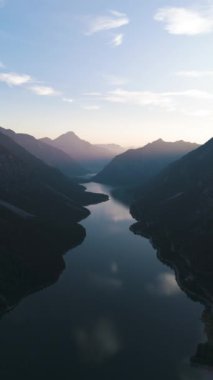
x: 136, y: 166
x: 184, y: 188
x: 30, y: 184
x: 175, y: 212
x: 39, y: 211
x: 92, y: 156
x: 47, y: 153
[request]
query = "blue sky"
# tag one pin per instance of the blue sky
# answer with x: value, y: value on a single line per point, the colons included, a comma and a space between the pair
x: 112, y: 71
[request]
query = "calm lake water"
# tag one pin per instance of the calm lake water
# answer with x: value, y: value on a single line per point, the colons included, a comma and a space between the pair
x: 115, y: 313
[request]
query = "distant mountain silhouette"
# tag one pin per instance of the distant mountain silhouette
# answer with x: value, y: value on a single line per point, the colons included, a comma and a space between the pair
x: 92, y: 156
x: 136, y: 166
x: 30, y: 184
x: 184, y: 190
x: 49, y: 154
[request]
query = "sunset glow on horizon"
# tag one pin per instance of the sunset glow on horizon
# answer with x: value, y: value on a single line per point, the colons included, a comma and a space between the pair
x: 112, y: 72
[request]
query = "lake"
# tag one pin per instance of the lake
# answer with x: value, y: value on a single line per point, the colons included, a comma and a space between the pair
x: 116, y: 312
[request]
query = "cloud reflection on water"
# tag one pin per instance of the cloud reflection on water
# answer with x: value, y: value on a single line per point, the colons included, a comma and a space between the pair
x: 99, y: 342
x: 164, y: 285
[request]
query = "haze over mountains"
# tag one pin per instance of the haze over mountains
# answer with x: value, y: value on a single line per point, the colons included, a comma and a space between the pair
x: 92, y: 156
x: 136, y: 166
x: 50, y: 155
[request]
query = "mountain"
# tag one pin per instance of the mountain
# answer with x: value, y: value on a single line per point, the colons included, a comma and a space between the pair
x: 39, y: 213
x: 92, y: 156
x: 188, y: 251
x: 136, y: 166
x: 31, y: 184
x: 182, y: 192
x: 33, y: 193
x: 47, y: 153
x: 175, y: 211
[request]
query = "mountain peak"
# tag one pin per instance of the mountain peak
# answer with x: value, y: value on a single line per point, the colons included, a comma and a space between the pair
x: 68, y: 135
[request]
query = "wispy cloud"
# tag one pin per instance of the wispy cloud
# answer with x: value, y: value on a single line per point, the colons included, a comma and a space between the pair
x: 198, y: 112
x: 14, y: 79
x: 44, y: 91
x: 91, y: 108
x: 117, y: 40
x: 2, y: 66
x: 113, y: 20
x: 192, y: 102
x: 195, y: 74
x: 67, y: 100
x: 94, y: 93
x: 186, y: 21
x: 140, y: 98
x: 160, y: 99
x: 193, y: 94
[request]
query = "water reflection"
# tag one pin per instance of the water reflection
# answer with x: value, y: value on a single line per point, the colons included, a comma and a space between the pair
x: 164, y: 285
x: 100, y: 320
x: 98, y: 342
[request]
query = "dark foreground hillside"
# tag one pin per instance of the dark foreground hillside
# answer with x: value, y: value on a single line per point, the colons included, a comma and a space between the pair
x: 180, y: 201
x: 49, y: 154
x: 176, y: 213
x: 39, y: 213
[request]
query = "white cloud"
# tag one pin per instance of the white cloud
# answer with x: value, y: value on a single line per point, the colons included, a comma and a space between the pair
x: 193, y: 94
x: 167, y: 100
x: 186, y: 21
x: 113, y: 20
x: 67, y: 100
x: 117, y: 40
x: 92, y: 94
x: 198, y: 112
x: 14, y: 79
x: 195, y: 74
x: 98, y: 342
x: 91, y: 108
x: 164, y: 285
x: 44, y: 91
x: 140, y: 98
x: 25, y: 80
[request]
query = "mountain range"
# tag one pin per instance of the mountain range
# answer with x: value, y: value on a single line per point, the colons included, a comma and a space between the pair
x: 50, y: 155
x: 92, y: 156
x: 136, y: 166
x: 182, y: 194
x: 40, y: 209
x: 32, y: 193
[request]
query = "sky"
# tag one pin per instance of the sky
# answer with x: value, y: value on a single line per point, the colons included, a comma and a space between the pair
x: 121, y: 71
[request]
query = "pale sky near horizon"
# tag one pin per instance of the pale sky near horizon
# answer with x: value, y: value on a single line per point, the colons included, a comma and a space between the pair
x: 120, y: 71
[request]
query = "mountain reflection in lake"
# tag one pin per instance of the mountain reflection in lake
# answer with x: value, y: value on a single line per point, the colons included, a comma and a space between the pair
x: 115, y: 313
